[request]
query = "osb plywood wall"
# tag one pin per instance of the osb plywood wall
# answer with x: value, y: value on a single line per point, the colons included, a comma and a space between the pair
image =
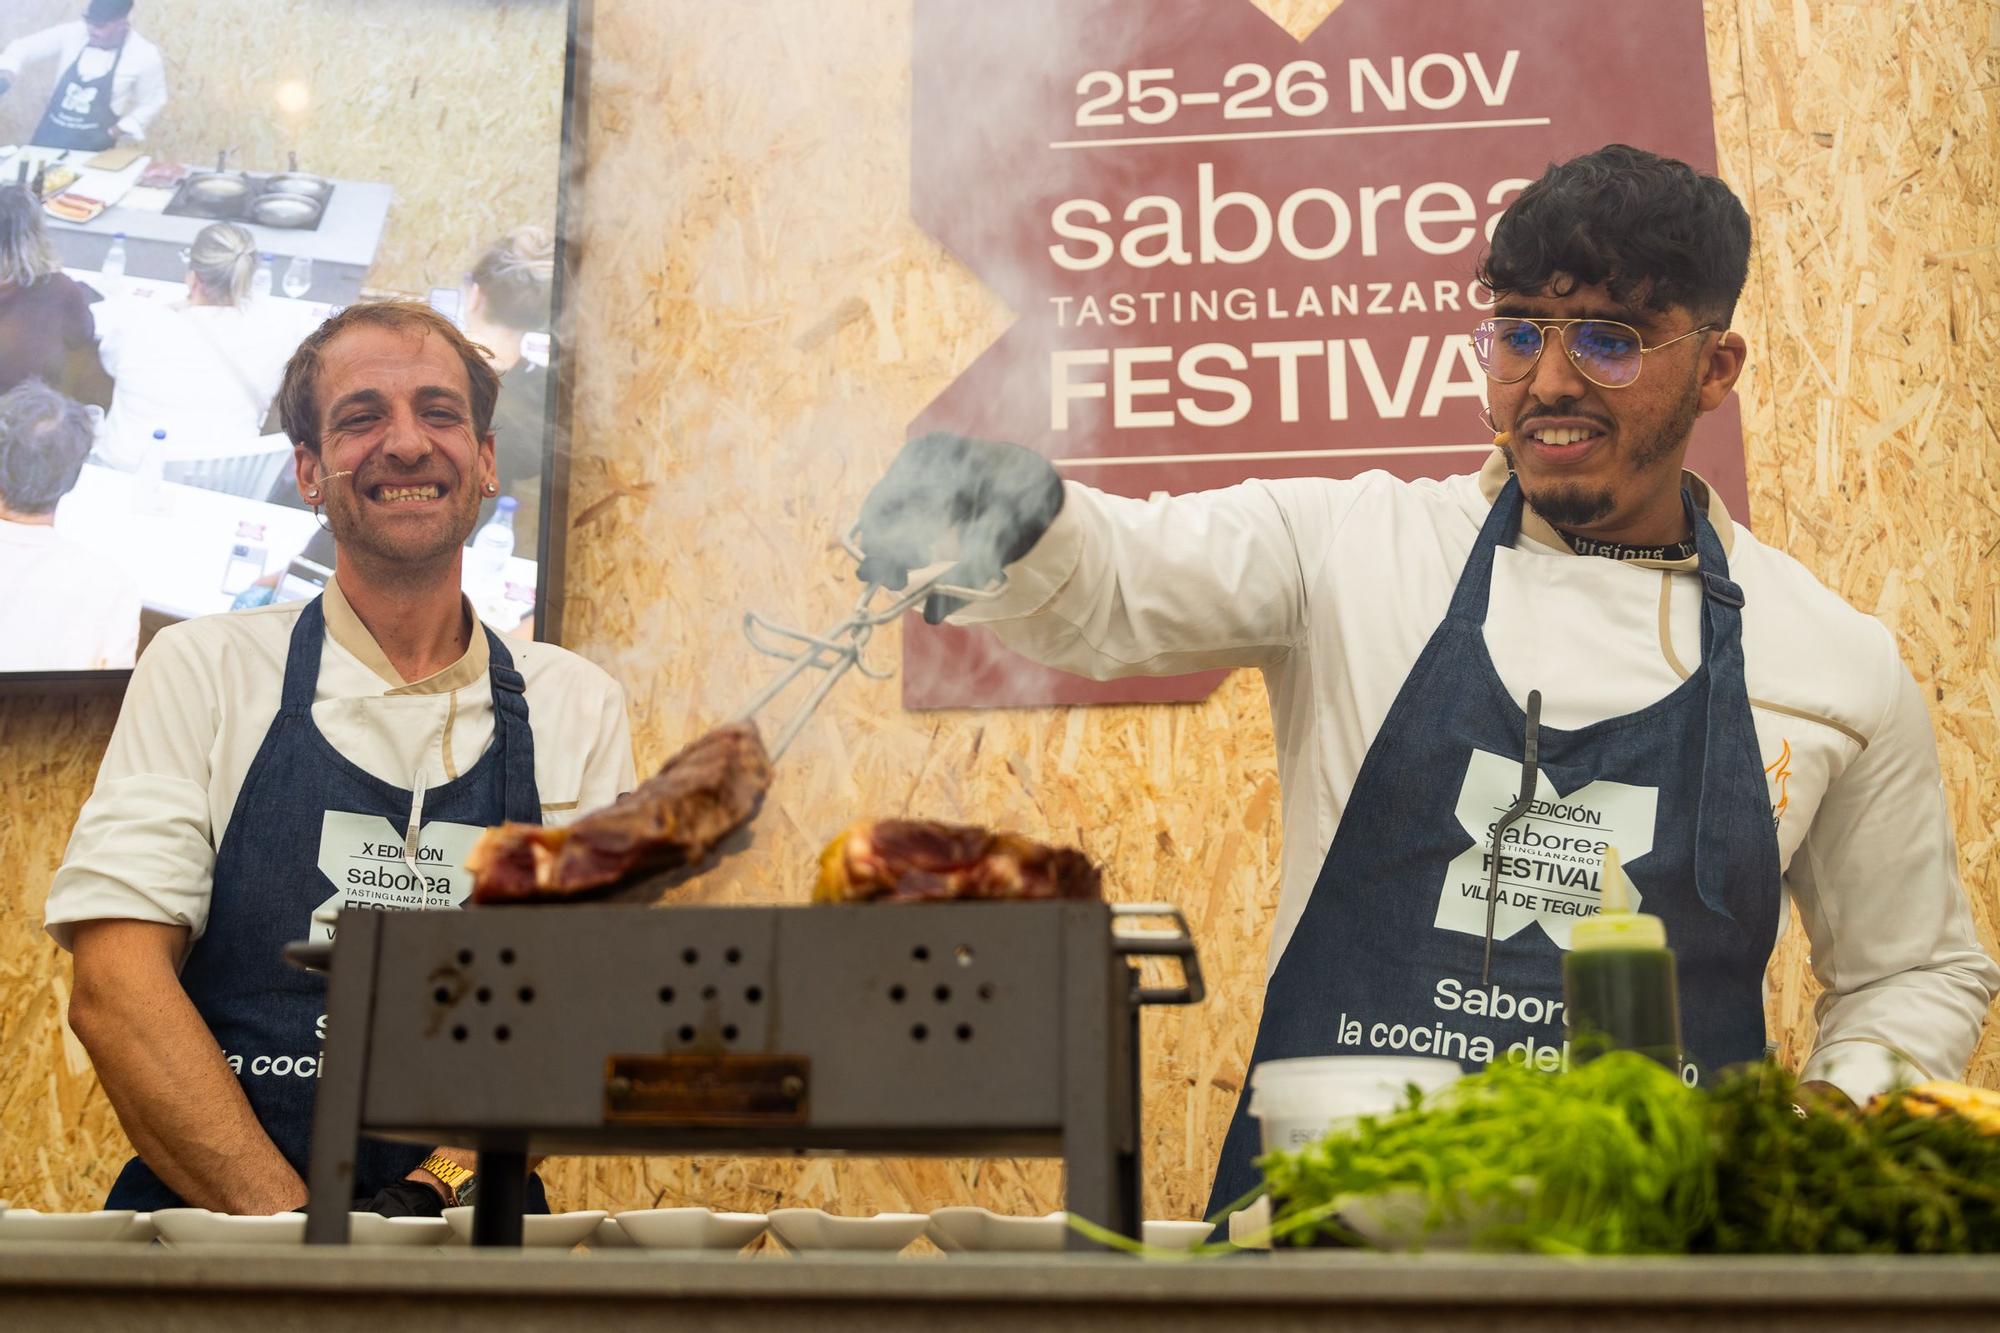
x: 747, y: 369
x: 456, y: 103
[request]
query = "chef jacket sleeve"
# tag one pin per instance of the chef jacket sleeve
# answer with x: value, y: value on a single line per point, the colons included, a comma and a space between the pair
x: 1124, y: 587
x: 1893, y: 942
x: 142, y: 848
x: 30, y: 47
x: 149, y: 97
x: 607, y: 770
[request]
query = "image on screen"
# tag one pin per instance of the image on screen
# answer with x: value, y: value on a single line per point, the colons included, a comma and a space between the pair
x: 187, y: 189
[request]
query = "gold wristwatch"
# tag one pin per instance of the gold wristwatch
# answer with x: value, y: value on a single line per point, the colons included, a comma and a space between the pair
x: 457, y: 1179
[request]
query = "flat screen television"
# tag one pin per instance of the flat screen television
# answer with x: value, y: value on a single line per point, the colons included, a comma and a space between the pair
x: 186, y: 191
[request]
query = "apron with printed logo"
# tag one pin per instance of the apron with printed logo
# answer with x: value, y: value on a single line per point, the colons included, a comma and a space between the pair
x: 1388, y: 957
x: 79, y: 113
x: 311, y: 833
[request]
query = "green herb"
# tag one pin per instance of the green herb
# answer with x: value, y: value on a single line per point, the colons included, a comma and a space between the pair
x: 1611, y: 1157
x: 1889, y: 1181
x: 1618, y: 1157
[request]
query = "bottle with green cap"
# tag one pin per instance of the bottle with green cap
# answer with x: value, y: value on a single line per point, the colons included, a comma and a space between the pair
x: 1618, y: 978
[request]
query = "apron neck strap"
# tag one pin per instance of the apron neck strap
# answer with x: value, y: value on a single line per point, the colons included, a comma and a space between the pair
x: 302, y: 660
x: 521, y: 798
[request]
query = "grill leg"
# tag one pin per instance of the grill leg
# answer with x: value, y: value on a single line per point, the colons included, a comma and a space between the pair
x: 336, y: 1133
x: 1100, y: 1088
x: 503, y: 1197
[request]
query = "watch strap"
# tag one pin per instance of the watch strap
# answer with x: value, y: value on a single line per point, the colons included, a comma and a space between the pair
x: 456, y: 1178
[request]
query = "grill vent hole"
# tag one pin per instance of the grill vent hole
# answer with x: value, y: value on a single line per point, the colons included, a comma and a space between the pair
x: 896, y: 994
x: 442, y: 995
x: 501, y: 1033
x: 754, y: 994
x: 687, y: 1033
x: 729, y: 1032
x: 921, y: 954
x: 465, y: 958
x: 666, y: 995
x: 483, y: 995
x: 733, y: 957
x: 690, y: 956
x: 943, y: 994
x: 919, y: 1032
x: 459, y: 1034
x: 527, y: 995
x: 506, y: 958
x: 965, y: 1032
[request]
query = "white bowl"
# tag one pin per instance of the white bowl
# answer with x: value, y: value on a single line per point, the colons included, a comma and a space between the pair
x: 966, y: 1230
x: 815, y: 1229
x: 1176, y: 1235
x: 198, y: 1226
x: 375, y: 1229
x: 690, y: 1228
x: 610, y: 1236
x: 26, y: 1224
x: 555, y: 1231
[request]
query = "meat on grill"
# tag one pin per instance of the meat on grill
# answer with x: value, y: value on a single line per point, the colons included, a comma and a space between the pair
x: 909, y: 860
x: 705, y: 792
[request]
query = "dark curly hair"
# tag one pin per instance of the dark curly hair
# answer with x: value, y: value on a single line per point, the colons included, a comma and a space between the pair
x: 1654, y: 231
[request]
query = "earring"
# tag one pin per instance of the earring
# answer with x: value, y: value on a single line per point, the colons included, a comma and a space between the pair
x: 312, y: 492
x: 492, y: 488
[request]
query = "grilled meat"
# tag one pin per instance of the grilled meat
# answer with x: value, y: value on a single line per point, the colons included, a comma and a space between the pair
x: 907, y: 860
x: 701, y: 795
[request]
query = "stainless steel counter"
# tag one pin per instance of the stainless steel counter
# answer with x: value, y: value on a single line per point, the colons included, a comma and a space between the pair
x: 342, y: 247
x: 165, y: 1291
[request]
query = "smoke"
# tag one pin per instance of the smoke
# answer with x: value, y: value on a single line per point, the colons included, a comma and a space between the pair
x: 759, y: 318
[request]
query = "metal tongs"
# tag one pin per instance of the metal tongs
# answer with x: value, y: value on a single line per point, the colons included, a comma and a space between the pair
x: 839, y: 649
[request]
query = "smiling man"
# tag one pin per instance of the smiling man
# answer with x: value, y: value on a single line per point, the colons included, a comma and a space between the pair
x: 272, y: 766
x: 1578, y: 635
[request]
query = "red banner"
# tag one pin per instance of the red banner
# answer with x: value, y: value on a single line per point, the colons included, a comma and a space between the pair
x: 1233, y: 255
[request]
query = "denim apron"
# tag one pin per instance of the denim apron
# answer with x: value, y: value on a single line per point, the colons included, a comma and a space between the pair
x: 1388, y: 956
x: 79, y: 113
x: 311, y: 830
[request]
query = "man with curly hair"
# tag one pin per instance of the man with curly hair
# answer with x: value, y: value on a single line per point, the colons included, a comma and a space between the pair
x: 1482, y: 684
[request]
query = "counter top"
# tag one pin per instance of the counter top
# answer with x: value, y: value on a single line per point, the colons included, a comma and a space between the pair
x: 166, y: 1291
x: 345, y: 240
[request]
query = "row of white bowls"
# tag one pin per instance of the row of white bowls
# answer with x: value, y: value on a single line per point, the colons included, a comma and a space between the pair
x: 799, y: 1230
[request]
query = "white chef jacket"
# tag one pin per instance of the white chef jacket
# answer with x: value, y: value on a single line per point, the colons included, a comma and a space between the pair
x: 1332, y: 589
x: 204, y: 374
x: 63, y: 606
x: 205, y: 692
x: 138, y: 92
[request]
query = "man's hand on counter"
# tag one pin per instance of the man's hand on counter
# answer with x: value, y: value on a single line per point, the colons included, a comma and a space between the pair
x: 406, y: 1198
x: 175, y: 1095
x: 1819, y: 1095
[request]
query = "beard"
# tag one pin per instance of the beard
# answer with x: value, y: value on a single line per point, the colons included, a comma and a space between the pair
x: 1575, y: 506
x: 407, y: 549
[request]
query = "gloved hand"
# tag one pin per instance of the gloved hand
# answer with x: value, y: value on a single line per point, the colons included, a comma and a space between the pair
x: 998, y: 499
x: 405, y: 1198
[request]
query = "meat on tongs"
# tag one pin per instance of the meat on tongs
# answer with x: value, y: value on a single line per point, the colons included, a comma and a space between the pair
x: 910, y: 860
x: 701, y: 795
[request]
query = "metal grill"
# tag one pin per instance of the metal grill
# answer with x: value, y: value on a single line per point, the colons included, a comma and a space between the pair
x: 974, y: 1029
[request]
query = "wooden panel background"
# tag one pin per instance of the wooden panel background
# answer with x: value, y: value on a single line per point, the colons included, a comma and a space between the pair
x: 456, y: 103
x: 758, y: 319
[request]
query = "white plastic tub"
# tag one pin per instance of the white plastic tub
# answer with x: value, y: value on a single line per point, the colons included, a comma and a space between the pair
x: 1297, y: 1101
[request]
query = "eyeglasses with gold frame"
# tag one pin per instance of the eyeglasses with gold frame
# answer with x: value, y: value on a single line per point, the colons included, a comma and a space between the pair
x: 1608, y: 353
